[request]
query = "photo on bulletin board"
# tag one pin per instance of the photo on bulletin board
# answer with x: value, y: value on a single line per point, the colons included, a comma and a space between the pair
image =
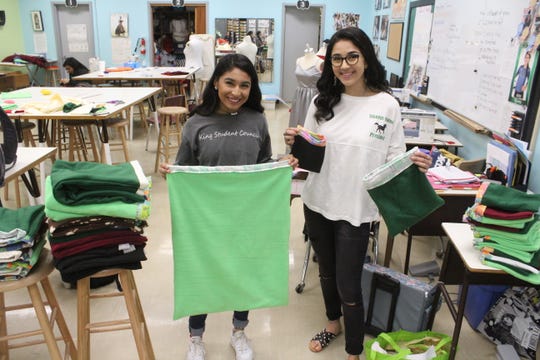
x: 398, y: 9
x: 395, y: 33
x: 119, y: 25
x: 37, y: 21
x: 384, y: 27
x: 344, y: 20
x: 378, y: 4
x: 376, y: 26
x: 526, y: 62
x: 386, y: 4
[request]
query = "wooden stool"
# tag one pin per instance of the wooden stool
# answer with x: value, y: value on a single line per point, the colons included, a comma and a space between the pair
x: 39, y: 274
x: 77, y: 140
x: 170, y: 119
x: 120, y: 126
x: 136, y: 321
x: 50, y: 75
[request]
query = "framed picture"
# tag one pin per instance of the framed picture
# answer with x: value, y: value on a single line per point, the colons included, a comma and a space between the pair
x: 384, y: 27
x: 37, y: 21
x: 119, y: 25
x: 395, y: 33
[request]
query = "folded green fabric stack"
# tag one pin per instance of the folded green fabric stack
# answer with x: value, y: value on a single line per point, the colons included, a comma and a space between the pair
x: 507, y: 230
x: 21, y: 240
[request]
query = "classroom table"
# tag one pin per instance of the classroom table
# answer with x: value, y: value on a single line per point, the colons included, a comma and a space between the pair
x: 439, y: 140
x: 27, y: 159
x: 462, y: 266
x: 116, y: 100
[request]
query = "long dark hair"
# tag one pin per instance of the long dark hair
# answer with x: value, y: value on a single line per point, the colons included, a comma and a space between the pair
x: 78, y: 67
x: 210, y: 98
x: 330, y: 88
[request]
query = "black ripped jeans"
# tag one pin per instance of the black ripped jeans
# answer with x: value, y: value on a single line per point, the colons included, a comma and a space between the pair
x: 341, y: 249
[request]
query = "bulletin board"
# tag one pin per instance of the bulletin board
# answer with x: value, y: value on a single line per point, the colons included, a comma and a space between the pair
x: 395, y: 33
x: 473, y: 58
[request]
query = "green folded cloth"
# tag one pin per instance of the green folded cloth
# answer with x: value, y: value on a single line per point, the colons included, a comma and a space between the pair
x: 28, y: 218
x: 517, y: 223
x: 500, y: 249
x: 79, y: 183
x: 16, y: 95
x: 502, y: 197
x: 516, y: 271
x: 528, y: 239
x: 69, y: 107
x: 58, y: 211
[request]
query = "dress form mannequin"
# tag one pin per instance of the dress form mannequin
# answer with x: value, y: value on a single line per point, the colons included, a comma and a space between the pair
x: 206, y: 43
x: 248, y: 48
x: 307, y: 72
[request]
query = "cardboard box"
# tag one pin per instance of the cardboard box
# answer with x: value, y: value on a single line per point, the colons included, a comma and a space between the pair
x: 13, y: 81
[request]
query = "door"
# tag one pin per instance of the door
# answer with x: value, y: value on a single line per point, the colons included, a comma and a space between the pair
x: 300, y: 27
x: 74, y: 33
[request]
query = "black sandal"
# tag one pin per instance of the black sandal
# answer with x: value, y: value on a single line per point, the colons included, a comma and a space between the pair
x: 324, y: 338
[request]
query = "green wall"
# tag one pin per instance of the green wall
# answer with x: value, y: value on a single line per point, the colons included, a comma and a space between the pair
x: 11, y: 36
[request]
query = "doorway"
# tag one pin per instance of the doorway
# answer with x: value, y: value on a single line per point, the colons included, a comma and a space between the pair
x: 171, y: 27
x: 75, y: 34
x: 300, y: 27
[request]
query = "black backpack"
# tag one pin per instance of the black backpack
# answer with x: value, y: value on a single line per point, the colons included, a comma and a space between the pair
x: 8, y: 149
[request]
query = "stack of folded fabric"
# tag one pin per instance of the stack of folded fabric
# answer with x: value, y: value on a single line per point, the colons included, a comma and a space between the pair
x: 507, y: 230
x: 96, y: 215
x: 21, y: 240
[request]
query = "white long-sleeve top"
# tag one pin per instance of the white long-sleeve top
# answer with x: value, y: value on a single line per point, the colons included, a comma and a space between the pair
x: 365, y: 133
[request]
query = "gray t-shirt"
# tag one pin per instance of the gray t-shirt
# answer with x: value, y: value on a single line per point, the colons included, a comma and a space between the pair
x: 240, y: 139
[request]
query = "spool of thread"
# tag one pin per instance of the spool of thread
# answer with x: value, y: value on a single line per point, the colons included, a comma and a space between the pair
x: 101, y: 66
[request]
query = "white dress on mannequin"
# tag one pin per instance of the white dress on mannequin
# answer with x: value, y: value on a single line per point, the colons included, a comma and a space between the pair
x: 248, y: 48
x: 206, y: 43
x: 307, y: 71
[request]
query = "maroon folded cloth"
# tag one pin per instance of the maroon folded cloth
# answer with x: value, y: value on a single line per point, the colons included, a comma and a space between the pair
x: 174, y: 73
x: 69, y: 248
x: 38, y: 60
x: 504, y: 214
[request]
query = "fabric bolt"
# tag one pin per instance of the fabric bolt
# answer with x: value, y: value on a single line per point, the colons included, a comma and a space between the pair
x: 79, y: 183
x: 87, y: 224
x: 473, y: 214
x: 230, y: 228
x: 402, y: 193
x: 492, y: 213
x: 57, y: 211
x: 502, y: 197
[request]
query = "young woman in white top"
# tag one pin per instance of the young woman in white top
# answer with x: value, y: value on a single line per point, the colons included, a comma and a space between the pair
x: 354, y: 100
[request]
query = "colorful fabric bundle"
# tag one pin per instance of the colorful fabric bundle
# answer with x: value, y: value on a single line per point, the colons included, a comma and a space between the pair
x: 96, y: 216
x: 21, y: 240
x: 230, y: 228
x: 506, y: 230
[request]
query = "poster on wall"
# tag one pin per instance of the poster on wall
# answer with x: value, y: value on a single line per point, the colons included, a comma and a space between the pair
x: 526, y: 62
x: 398, y: 9
x: 77, y: 38
x: 344, y: 20
x: 376, y: 25
x: 384, y: 27
x: 119, y: 25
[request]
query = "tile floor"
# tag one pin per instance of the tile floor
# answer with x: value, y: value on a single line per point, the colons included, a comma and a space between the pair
x: 276, y: 334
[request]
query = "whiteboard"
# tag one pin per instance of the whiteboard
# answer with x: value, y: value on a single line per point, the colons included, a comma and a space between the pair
x: 472, y: 60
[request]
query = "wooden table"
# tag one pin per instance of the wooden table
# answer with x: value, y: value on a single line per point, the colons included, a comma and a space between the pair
x: 115, y: 100
x: 27, y: 159
x: 462, y: 266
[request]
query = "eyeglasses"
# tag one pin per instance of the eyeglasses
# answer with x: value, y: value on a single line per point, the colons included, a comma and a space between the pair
x: 351, y: 59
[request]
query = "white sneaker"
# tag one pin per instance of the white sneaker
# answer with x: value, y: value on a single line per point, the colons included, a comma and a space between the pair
x: 196, y: 349
x: 240, y: 344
